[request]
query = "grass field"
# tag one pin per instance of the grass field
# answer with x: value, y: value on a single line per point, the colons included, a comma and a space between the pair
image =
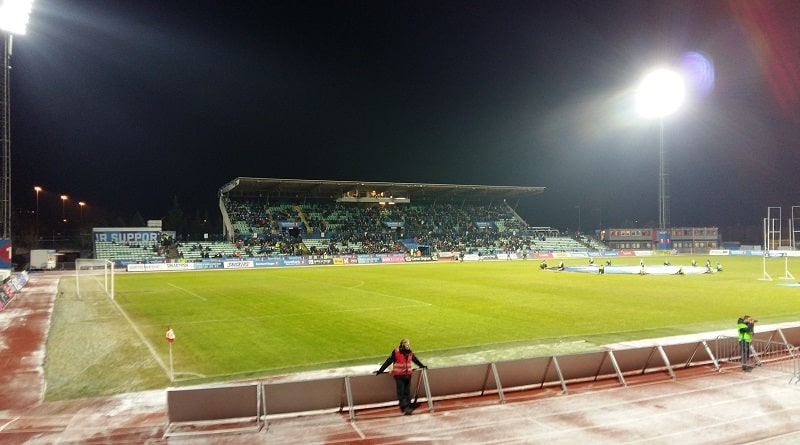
x: 248, y: 323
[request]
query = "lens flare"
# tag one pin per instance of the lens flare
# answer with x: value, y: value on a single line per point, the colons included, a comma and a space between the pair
x: 700, y: 72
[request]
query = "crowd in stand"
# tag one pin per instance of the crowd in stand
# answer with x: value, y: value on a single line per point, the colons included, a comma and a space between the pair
x: 372, y: 228
x: 328, y: 228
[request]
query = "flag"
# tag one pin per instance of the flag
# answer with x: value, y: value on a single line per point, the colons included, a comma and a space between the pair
x: 170, y: 335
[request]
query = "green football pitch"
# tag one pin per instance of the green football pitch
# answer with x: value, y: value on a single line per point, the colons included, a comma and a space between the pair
x: 234, y: 324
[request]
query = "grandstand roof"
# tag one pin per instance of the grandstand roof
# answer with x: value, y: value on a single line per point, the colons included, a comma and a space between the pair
x: 244, y: 186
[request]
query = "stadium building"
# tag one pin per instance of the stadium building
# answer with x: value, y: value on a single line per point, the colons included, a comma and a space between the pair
x: 680, y: 239
x: 268, y: 217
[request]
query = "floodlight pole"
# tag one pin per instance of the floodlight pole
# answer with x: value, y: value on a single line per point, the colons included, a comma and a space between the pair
x: 660, y: 94
x: 5, y: 142
x: 13, y: 20
x: 663, y: 195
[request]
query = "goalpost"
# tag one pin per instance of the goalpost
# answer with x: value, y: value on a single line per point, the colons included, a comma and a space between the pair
x: 773, y: 242
x: 92, y: 275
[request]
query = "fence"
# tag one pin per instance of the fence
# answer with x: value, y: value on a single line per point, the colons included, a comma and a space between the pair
x: 196, y: 411
x: 788, y: 367
x: 771, y: 347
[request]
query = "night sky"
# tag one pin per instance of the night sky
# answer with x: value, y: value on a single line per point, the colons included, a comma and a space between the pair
x: 128, y: 104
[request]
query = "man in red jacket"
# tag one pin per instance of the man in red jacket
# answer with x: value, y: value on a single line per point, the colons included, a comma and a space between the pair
x: 401, y: 359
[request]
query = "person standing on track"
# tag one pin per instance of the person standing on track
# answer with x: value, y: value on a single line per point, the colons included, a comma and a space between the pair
x: 745, y: 326
x: 401, y: 360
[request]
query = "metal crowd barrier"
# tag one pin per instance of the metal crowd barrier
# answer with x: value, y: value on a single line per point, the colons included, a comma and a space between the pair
x: 225, y: 408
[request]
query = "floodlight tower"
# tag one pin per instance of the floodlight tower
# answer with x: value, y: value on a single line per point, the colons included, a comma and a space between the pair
x: 38, y: 190
x: 660, y: 94
x: 63, y: 208
x: 13, y: 20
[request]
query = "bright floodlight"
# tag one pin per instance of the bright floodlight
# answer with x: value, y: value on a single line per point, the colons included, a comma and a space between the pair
x: 14, y: 15
x: 660, y: 93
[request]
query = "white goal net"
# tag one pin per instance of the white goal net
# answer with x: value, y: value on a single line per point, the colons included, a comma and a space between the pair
x: 93, y: 276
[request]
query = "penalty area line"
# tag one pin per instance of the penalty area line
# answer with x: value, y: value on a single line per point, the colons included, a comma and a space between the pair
x: 187, y: 291
x: 303, y: 314
x: 356, y: 288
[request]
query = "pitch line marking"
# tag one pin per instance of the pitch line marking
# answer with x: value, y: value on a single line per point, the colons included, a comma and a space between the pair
x: 300, y: 314
x: 142, y: 337
x: 357, y: 286
x: 187, y: 291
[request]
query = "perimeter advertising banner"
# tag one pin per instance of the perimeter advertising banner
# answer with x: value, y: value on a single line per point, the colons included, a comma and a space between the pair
x: 9, y: 291
x: 286, y: 261
x: 237, y: 264
x: 5, y: 254
x: 18, y: 281
x: 267, y: 262
x: 293, y: 260
x: 368, y: 259
x: 317, y: 261
x: 345, y: 260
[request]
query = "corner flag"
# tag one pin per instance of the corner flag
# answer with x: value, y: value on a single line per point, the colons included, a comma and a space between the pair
x: 170, y: 335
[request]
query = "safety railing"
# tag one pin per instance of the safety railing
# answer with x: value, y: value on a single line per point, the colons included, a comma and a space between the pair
x: 771, y: 350
x: 218, y: 409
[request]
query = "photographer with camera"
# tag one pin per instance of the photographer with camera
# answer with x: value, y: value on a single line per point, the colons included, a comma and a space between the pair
x: 745, y: 325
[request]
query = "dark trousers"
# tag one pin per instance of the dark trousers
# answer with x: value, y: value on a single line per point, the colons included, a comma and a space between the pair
x: 403, y: 383
x: 745, y: 346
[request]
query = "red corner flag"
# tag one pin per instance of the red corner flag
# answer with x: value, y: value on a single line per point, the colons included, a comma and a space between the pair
x: 170, y: 335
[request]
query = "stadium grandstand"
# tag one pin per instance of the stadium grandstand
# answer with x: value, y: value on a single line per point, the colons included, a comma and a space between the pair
x: 265, y: 217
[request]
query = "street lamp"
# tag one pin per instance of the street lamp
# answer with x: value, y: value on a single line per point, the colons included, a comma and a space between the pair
x: 660, y: 94
x: 63, y: 202
x: 13, y: 20
x: 81, y: 204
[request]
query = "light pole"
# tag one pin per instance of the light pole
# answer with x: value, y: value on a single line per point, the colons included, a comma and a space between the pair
x: 38, y: 190
x: 13, y: 20
x: 81, y: 205
x: 660, y: 94
x: 63, y: 204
